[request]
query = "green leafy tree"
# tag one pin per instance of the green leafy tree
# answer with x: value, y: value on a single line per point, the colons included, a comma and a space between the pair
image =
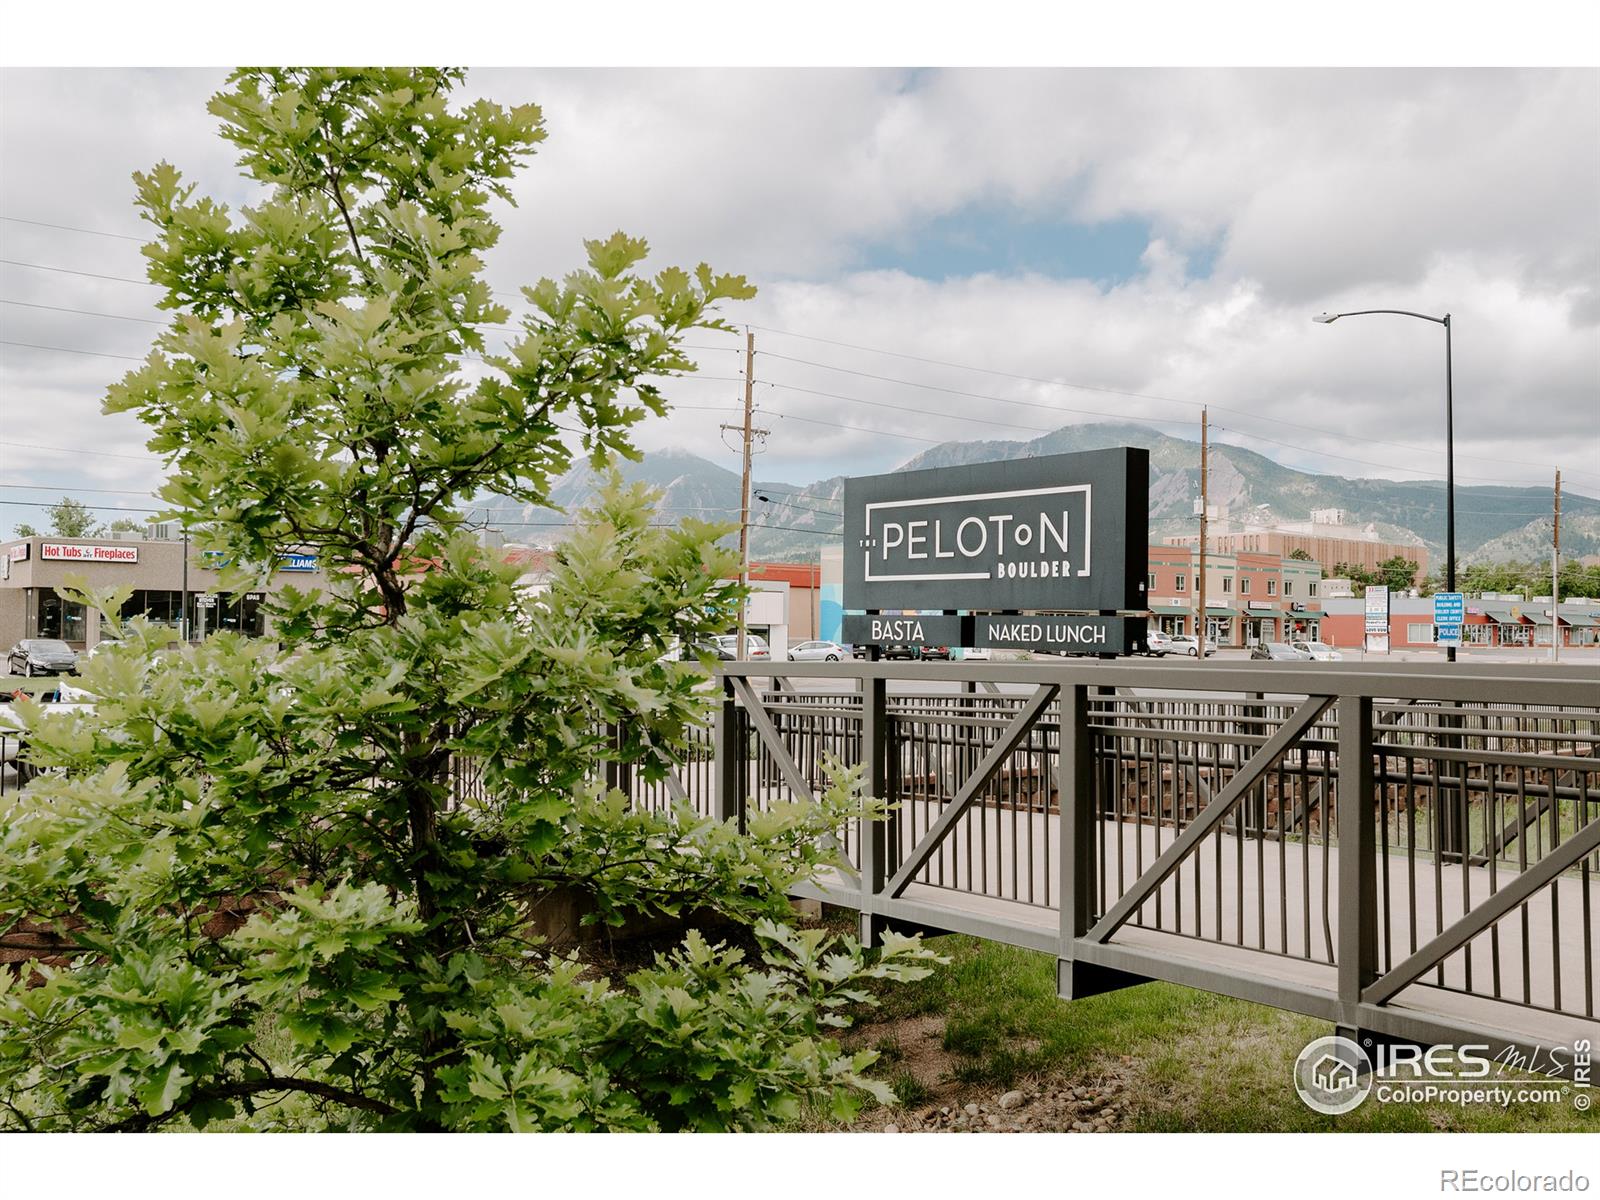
x: 1300, y: 554
x: 68, y: 518
x: 1398, y: 573
x: 125, y: 525
x: 310, y: 869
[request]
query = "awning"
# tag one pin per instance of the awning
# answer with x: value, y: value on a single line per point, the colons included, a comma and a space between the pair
x: 1170, y: 610
x: 1223, y: 612
x: 1579, y: 621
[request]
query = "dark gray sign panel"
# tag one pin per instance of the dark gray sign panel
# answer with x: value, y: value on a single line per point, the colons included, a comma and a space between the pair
x: 1060, y: 634
x: 891, y: 629
x: 1066, y: 531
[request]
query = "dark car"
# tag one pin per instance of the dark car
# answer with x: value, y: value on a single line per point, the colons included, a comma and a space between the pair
x: 42, y: 656
x: 707, y: 648
x: 1278, y: 652
x: 933, y: 652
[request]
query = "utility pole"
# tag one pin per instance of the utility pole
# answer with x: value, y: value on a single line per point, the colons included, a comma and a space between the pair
x: 1555, y: 576
x: 1200, y: 575
x: 747, y: 433
x: 183, y: 617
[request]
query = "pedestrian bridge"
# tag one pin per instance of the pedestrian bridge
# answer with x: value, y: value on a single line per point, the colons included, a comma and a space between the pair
x: 1407, y: 851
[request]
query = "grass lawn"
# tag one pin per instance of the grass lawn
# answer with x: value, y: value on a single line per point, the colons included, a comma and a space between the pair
x: 1182, y: 1060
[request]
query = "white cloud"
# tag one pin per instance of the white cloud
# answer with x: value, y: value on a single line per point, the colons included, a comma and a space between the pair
x: 1472, y: 191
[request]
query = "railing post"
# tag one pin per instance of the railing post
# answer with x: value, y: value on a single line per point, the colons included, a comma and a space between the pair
x: 1450, y: 800
x: 728, y: 747
x: 1080, y: 834
x: 1358, y: 860
x: 873, y: 834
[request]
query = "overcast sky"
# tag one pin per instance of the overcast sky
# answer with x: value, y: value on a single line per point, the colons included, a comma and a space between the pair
x: 1168, y: 233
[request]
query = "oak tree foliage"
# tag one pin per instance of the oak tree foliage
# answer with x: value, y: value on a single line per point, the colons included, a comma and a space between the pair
x: 293, y: 879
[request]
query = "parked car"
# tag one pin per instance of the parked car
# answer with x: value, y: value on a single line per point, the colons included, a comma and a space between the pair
x: 817, y: 651
x: 755, y: 646
x: 933, y: 652
x: 1278, y: 652
x: 1320, y: 651
x: 693, y: 653
x: 976, y: 654
x: 898, y: 651
x: 42, y: 656
x: 1187, y: 643
x: 11, y: 736
x: 1158, y: 644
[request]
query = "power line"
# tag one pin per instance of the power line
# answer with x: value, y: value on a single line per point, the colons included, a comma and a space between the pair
x: 11, y: 262
x: 74, y: 229
x: 150, y: 459
x: 791, y: 504
x: 90, y: 507
x: 82, y: 312
x: 906, y: 437
x: 932, y: 387
x: 1366, y: 462
x: 921, y: 412
x: 1254, y: 416
x: 69, y: 350
x: 50, y: 487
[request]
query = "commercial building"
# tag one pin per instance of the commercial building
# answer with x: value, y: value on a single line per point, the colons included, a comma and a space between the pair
x: 1489, y: 624
x: 1250, y: 597
x: 31, y: 569
x: 1329, y: 538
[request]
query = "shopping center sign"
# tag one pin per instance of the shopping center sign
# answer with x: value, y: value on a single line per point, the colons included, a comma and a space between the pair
x: 71, y: 552
x: 1066, y: 532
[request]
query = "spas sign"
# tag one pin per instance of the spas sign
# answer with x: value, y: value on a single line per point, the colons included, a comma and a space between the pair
x: 1064, y: 532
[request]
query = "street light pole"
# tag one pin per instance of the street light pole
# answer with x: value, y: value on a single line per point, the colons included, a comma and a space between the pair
x: 1449, y: 437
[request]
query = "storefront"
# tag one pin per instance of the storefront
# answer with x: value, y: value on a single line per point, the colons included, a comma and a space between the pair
x: 1260, y: 623
x: 1170, y: 619
x: 1222, y: 626
x: 33, y: 568
x: 1302, y: 627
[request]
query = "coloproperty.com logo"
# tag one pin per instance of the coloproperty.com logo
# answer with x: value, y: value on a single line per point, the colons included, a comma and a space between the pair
x: 1336, y: 1075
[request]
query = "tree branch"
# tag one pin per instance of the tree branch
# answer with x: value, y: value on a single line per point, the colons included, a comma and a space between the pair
x: 240, y: 1089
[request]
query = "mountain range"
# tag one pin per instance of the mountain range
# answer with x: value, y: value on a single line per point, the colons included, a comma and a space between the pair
x: 789, y: 523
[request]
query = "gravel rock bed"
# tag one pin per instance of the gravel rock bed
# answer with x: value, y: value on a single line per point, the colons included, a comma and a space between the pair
x: 1094, y: 1108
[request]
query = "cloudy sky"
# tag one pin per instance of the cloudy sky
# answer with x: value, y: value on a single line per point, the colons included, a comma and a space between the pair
x: 945, y: 254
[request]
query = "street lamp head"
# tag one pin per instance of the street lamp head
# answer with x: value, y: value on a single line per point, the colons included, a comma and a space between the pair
x: 1325, y: 318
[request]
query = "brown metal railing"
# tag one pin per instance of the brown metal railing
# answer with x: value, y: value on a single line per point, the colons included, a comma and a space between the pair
x: 1386, y: 838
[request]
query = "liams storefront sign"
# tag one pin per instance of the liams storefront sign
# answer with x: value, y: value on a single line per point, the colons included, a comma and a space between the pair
x: 1064, y: 534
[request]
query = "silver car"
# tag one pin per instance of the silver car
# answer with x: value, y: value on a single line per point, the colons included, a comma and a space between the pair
x: 818, y: 651
x: 1319, y: 651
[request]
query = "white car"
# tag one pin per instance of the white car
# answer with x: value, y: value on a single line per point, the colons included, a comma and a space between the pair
x: 1187, y: 643
x: 755, y: 646
x: 11, y: 725
x: 818, y: 651
x: 1319, y: 651
x: 1158, y: 644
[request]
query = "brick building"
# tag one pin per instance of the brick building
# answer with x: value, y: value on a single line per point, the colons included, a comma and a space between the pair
x: 1328, y: 538
x: 1250, y: 597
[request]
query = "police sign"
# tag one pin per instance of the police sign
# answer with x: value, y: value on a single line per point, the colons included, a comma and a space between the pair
x: 1062, y: 532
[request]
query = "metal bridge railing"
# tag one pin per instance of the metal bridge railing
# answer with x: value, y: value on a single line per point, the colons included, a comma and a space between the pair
x: 1354, y: 843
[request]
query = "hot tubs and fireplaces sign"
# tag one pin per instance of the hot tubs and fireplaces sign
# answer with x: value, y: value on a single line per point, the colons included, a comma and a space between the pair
x: 1064, y: 534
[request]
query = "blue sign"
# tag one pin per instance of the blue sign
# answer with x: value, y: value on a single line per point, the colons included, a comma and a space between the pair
x: 1449, y: 610
x: 297, y: 562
